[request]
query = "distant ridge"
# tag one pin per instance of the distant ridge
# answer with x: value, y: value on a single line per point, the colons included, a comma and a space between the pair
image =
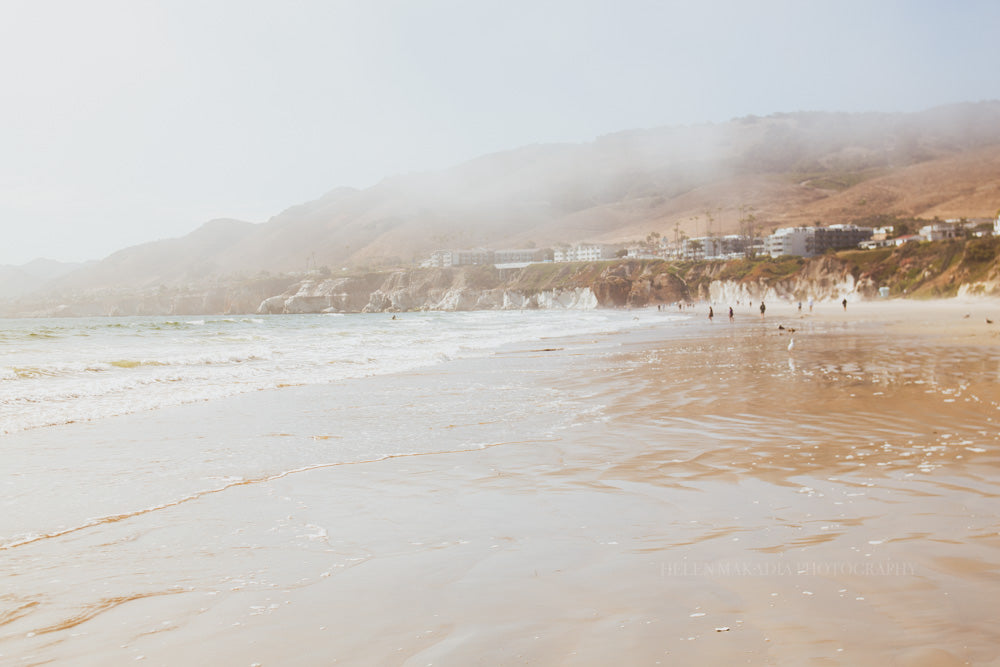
x: 17, y: 281
x: 791, y: 168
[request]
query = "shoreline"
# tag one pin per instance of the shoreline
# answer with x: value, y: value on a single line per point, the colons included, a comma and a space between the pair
x: 958, y: 319
x: 647, y: 496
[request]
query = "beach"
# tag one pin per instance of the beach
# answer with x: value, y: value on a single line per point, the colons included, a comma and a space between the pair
x: 696, y: 494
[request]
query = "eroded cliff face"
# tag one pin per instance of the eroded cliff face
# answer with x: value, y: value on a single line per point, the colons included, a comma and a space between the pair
x: 822, y: 279
x: 638, y: 284
x: 626, y: 284
x: 574, y: 286
x: 430, y: 289
x: 929, y: 270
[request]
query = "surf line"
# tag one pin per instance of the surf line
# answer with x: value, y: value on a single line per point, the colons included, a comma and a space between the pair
x: 115, y: 518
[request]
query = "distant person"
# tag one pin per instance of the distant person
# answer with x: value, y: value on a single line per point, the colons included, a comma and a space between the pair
x: 800, y: 306
x: 711, y: 314
x: 730, y: 313
x: 810, y: 304
x: 844, y: 302
x: 762, y: 308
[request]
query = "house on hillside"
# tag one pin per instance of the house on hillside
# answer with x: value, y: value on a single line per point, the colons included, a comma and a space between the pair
x: 939, y: 231
x: 882, y: 237
x: 883, y: 233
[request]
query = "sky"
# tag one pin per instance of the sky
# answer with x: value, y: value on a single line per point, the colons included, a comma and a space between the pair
x: 127, y: 121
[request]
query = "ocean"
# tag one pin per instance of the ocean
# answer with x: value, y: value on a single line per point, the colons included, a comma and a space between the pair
x: 57, y: 371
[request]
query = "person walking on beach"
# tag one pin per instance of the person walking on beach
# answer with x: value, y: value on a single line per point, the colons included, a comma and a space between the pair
x: 710, y: 313
x: 844, y: 302
x: 762, y: 309
x: 730, y: 313
x: 810, y: 304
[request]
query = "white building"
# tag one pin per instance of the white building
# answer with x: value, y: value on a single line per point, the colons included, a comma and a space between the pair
x: 584, y: 252
x: 438, y: 259
x: 939, y: 231
x: 812, y: 241
x: 996, y: 226
x: 445, y: 258
x: 593, y: 252
x: 519, y: 256
x: 789, y: 241
x: 883, y: 233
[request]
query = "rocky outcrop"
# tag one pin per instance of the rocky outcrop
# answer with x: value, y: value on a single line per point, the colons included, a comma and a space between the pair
x: 638, y: 284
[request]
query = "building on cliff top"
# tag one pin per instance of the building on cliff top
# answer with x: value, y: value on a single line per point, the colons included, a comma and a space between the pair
x: 940, y: 231
x: 812, y: 241
x: 585, y: 252
x: 447, y: 258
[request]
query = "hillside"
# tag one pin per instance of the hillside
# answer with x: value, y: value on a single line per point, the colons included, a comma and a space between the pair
x: 795, y: 168
x: 16, y: 281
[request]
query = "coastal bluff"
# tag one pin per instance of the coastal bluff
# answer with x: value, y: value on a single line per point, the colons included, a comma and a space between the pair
x: 919, y: 270
x: 925, y: 270
x: 615, y: 284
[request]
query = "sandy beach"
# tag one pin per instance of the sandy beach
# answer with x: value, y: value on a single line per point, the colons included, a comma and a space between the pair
x: 707, y: 496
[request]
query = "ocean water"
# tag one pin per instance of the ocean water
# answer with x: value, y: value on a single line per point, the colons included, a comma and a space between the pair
x: 57, y: 371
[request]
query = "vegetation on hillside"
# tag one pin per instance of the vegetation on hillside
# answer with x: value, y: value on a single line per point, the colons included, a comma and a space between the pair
x: 921, y: 270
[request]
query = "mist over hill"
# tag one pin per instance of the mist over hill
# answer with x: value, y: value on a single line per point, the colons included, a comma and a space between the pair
x: 16, y: 281
x: 791, y: 168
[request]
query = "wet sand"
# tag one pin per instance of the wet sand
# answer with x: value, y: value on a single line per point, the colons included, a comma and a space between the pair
x: 686, y: 495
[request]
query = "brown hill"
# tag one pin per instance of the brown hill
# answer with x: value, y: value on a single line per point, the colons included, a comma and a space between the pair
x: 789, y: 168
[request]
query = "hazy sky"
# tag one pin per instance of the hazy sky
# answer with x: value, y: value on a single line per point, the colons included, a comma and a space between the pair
x: 125, y: 121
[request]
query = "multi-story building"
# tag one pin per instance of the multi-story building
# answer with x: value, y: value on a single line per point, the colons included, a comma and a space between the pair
x: 788, y: 241
x: 811, y: 241
x: 438, y: 259
x: 471, y: 257
x: 837, y: 237
x: 445, y: 258
x: 519, y: 256
x: 584, y: 252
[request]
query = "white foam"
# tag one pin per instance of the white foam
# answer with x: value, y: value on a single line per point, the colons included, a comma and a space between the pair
x: 58, y: 371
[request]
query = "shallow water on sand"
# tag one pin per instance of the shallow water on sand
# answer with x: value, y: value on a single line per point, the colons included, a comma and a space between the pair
x: 842, y: 498
x: 687, y: 495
